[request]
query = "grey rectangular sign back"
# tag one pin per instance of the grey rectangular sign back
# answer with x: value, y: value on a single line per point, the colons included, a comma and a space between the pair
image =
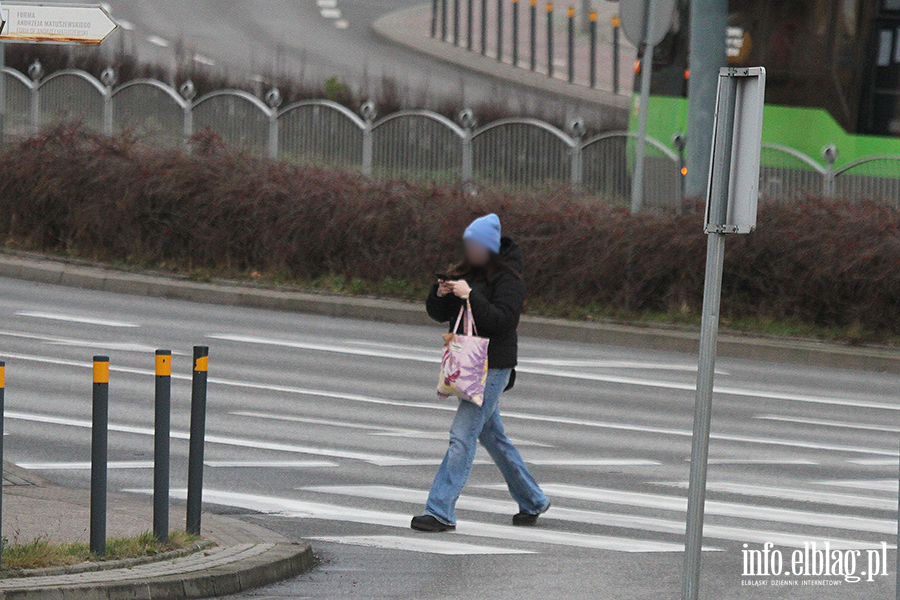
x: 732, y: 194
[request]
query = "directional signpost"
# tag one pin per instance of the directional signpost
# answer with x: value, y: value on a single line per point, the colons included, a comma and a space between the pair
x: 40, y: 23
x: 82, y: 24
x: 730, y: 208
x: 645, y: 23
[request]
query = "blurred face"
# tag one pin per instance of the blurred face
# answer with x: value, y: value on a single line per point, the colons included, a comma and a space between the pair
x: 477, y: 254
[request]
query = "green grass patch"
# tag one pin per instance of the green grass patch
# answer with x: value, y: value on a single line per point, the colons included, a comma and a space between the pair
x: 41, y: 553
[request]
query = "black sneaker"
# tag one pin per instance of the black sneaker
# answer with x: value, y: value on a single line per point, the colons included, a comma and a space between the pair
x: 528, y: 519
x: 430, y: 524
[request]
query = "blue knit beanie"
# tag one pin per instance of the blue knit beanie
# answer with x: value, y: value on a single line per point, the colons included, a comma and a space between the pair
x: 486, y: 231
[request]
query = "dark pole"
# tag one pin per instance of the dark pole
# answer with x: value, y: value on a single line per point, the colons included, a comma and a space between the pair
x: 500, y: 30
x: 571, y: 54
x: 533, y: 40
x: 470, y: 11
x: 434, y: 17
x: 161, y: 445
x: 99, y: 450
x: 456, y: 22
x: 443, y: 20
x: 198, y: 433
x: 484, y: 27
x: 615, y: 23
x: 549, y: 39
x: 515, y: 34
x: 593, y: 62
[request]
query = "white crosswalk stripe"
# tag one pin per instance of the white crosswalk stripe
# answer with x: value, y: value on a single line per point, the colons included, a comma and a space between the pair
x: 418, y: 544
x: 864, y: 502
x: 625, y: 521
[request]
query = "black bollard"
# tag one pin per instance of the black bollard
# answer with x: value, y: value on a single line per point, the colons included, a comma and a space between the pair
x: 161, y: 445
x: 197, y: 440
x: 99, y: 453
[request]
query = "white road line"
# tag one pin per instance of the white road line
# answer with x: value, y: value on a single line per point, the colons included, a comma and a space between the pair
x: 204, y: 60
x: 875, y: 485
x: 419, y: 544
x: 330, y: 512
x: 875, y: 462
x: 330, y: 13
x: 826, y: 423
x: 594, y: 462
x: 378, y: 430
x: 84, y: 466
x: 376, y: 459
x: 432, y: 357
x: 326, y: 3
x: 270, y: 464
x: 126, y: 25
x: 670, y: 526
x: 611, y: 364
x: 759, y: 461
x: 862, y: 502
x: 74, y: 319
x: 158, y: 41
x: 106, y: 345
x: 341, y: 24
x: 715, y: 507
x: 685, y: 433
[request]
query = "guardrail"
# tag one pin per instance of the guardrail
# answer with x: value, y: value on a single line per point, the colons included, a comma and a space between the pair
x: 415, y: 144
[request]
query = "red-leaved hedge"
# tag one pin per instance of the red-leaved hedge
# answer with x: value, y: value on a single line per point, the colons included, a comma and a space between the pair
x: 69, y: 191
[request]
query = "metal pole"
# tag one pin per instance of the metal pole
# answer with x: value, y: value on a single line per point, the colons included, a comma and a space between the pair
x: 161, y: 445
x: 708, y: 24
x: 2, y: 94
x: 99, y: 451
x: 533, y: 36
x: 615, y: 58
x: 571, y: 53
x: 434, y: 17
x: 586, y: 9
x: 470, y: 11
x: 637, y: 184
x: 443, y: 20
x: 515, y: 33
x: 709, y: 332
x: 197, y: 439
x: 456, y: 22
x: 593, y: 61
x: 500, y: 30
x: 549, y: 39
x: 484, y: 27
x: 2, y: 410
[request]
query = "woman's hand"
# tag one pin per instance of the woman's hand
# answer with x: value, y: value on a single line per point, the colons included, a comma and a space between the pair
x: 444, y: 288
x: 460, y: 288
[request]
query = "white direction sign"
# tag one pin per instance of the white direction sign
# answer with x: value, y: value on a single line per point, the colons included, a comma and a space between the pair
x: 55, y: 23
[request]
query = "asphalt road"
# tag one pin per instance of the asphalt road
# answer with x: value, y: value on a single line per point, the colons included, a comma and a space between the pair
x: 310, y: 40
x: 329, y: 430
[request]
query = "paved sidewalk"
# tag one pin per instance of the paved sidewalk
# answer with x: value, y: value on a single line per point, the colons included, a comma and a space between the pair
x: 245, y: 555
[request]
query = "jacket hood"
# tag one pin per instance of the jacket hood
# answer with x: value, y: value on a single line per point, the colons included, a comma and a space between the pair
x: 511, y: 253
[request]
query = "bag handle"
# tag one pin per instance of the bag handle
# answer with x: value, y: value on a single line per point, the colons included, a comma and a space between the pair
x: 465, y: 315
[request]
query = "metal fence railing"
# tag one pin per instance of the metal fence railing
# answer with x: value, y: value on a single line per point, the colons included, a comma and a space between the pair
x: 415, y: 144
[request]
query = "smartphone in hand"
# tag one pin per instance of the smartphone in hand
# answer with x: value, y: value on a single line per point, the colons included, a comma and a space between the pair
x: 441, y: 277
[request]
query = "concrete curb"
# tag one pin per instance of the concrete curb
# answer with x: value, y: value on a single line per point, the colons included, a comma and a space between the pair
x: 278, y: 562
x: 803, y: 352
x: 393, y: 28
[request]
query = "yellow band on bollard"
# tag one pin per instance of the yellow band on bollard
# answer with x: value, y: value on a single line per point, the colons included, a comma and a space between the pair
x: 202, y: 364
x: 101, y: 372
x: 549, y: 6
x: 593, y: 16
x: 2, y: 376
x: 571, y: 12
x: 163, y: 365
x: 616, y: 22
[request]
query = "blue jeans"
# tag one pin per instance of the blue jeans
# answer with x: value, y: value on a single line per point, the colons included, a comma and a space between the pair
x: 473, y: 423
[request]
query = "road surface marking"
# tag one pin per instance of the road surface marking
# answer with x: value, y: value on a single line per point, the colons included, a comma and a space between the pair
x: 106, y: 345
x: 204, y: 60
x: 378, y: 430
x: 826, y: 423
x: 684, y: 433
x: 376, y: 459
x: 270, y: 464
x: 875, y: 462
x: 623, y: 520
x: 875, y: 485
x: 315, y: 510
x: 713, y: 507
x: 126, y: 25
x: 330, y: 13
x: 158, y: 41
x: 611, y: 364
x: 418, y: 543
x: 84, y: 466
x: 863, y: 502
x: 74, y: 319
x: 326, y: 3
x: 759, y: 461
x: 341, y: 24
x: 594, y: 462
x: 433, y: 357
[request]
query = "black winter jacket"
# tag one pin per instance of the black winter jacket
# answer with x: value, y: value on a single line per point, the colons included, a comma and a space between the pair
x: 496, y: 306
